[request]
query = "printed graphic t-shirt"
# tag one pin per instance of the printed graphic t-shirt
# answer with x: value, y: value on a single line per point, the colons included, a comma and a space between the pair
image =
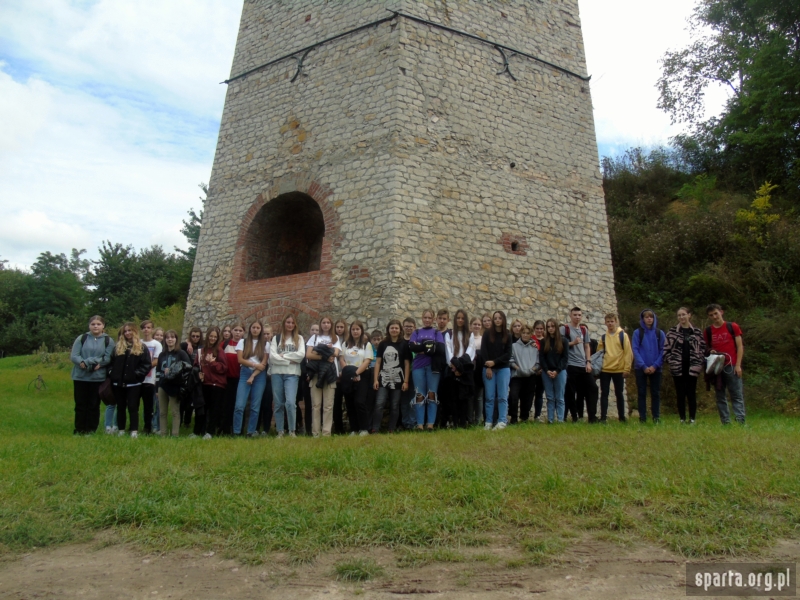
x: 722, y: 342
x: 393, y: 357
x: 154, y: 346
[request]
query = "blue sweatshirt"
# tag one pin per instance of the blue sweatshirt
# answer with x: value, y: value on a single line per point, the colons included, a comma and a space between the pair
x: 648, y: 350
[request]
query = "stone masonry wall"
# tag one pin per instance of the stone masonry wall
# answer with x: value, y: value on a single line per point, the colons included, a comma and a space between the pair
x: 441, y: 183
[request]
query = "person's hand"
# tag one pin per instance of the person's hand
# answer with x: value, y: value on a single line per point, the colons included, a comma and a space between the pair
x: 166, y: 371
x: 488, y: 364
x: 404, y: 388
x: 202, y: 376
x: 488, y: 373
x: 96, y: 368
x: 552, y: 374
x: 189, y: 349
x: 738, y: 370
x: 83, y: 365
x: 357, y: 378
x: 250, y: 380
x: 457, y: 373
x: 331, y: 359
x: 588, y: 367
x: 625, y: 375
x: 375, y: 386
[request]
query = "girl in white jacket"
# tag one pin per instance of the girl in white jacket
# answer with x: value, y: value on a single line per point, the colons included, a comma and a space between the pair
x: 287, y: 351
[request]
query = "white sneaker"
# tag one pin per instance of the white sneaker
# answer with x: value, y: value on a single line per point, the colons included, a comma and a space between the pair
x: 363, y: 432
x: 500, y: 425
x: 134, y: 434
x: 352, y: 433
x: 120, y: 433
x: 292, y: 434
x: 280, y: 434
x: 487, y: 427
x: 207, y: 436
x: 315, y: 435
x: 114, y: 430
x: 191, y: 435
x: 109, y: 431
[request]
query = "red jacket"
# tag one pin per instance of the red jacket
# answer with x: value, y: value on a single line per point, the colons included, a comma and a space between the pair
x: 229, y: 348
x: 214, y: 372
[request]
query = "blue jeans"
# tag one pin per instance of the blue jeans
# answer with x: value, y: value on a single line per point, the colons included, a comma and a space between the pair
x: 735, y: 389
x: 554, y: 390
x: 254, y: 393
x: 425, y: 381
x: 156, y: 424
x: 655, y: 394
x: 407, y: 409
x: 110, y: 416
x: 496, y: 388
x: 284, y: 396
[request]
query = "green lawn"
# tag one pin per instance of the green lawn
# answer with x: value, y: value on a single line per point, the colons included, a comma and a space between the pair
x: 701, y: 491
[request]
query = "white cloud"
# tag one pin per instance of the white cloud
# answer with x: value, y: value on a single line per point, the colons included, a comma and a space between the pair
x: 624, y: 41
x: 110, y: 118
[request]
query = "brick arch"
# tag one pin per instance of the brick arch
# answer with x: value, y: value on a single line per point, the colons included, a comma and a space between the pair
x: 273, y: 311
x: 309, y: 292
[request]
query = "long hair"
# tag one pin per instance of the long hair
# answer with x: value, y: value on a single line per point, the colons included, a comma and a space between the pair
x: 258, y: 351
x: 463, y: 330
x: 503, y: 327
x: 558, y: 343
x: 212, y: 349
x: 122, y: 345
x: 173, y: 333
x: 294, y: 334
x: 361, y: 342
x: 332, y: 332
x: 394, y: 322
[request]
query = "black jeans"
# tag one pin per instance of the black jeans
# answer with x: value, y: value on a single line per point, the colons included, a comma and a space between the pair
x: 147, y: 392
x: 214, y: 398
x: 229, y: 405
x: 265, y: 414
x: 127, y: 397
x: 338, y: 413
x: 578, y: 392
x: 446, y: 393
x: 619, y: 386
x: 686, y: 390
x: 306, y: 393
x: 356, y: 402
x: 186, y: 410
x: 464, y: 393
x: 87, y: 406
x: 520, y: 397
x: 538, y: 396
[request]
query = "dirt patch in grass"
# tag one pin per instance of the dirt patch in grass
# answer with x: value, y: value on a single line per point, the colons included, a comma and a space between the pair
x: 585, y: 568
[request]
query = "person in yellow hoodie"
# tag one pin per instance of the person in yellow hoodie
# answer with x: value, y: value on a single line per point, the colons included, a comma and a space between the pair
x: 617, y: 363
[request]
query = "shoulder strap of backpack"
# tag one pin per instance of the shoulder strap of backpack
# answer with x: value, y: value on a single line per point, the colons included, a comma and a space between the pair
x: 84, y: 337
x: 622, y: 339
x: 566, y: 331
x: 585, y: 331
x: 730, y: 329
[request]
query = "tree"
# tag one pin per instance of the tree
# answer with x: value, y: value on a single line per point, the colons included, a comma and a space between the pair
x: 191, y: 228
x: 753, y: 48
x: 55, y: 289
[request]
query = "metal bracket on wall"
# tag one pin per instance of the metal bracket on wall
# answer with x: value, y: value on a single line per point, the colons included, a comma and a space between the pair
x: 300, y: 64
x: 506, y: 66
x: 303, y: 52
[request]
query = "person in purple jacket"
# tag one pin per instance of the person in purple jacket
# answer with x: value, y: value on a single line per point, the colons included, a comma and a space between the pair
x: 648, y: 356
x: 427, y: 343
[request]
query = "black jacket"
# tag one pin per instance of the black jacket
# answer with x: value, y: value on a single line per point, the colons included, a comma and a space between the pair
x: 323, y: 370
x: 464, y: 365
x: 129, y: 369
x: 177, y: 359
x: 497, y: 351
x: 552, y: 360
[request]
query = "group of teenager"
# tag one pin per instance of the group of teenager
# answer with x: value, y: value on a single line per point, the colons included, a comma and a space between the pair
x: 483, y: 370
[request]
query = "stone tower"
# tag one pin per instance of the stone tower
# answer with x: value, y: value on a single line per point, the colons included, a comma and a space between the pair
x: 373, y: 163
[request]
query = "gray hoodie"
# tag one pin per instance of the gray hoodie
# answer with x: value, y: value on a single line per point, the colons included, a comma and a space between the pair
x: 94, y: 351
x: 526, y: 357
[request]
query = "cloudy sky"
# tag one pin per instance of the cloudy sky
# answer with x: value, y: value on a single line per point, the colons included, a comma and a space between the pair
x: 109, y: 109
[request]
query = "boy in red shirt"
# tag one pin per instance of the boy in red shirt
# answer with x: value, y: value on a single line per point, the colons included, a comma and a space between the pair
x: 726, y: 338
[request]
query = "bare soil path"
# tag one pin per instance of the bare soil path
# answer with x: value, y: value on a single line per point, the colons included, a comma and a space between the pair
x: 587, y: 569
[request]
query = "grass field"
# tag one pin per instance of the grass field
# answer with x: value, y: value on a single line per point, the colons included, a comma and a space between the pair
x: 701, y: 491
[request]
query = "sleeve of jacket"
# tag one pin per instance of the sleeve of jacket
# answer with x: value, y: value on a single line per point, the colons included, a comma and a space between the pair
x: 662, y: 338
x: 563, y: 359
x: 505, y: 358
x: 143, y: 365
x: 627, y: 354
x: 75, y: 355
x: 638, y: 363
x: 298, y: 355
